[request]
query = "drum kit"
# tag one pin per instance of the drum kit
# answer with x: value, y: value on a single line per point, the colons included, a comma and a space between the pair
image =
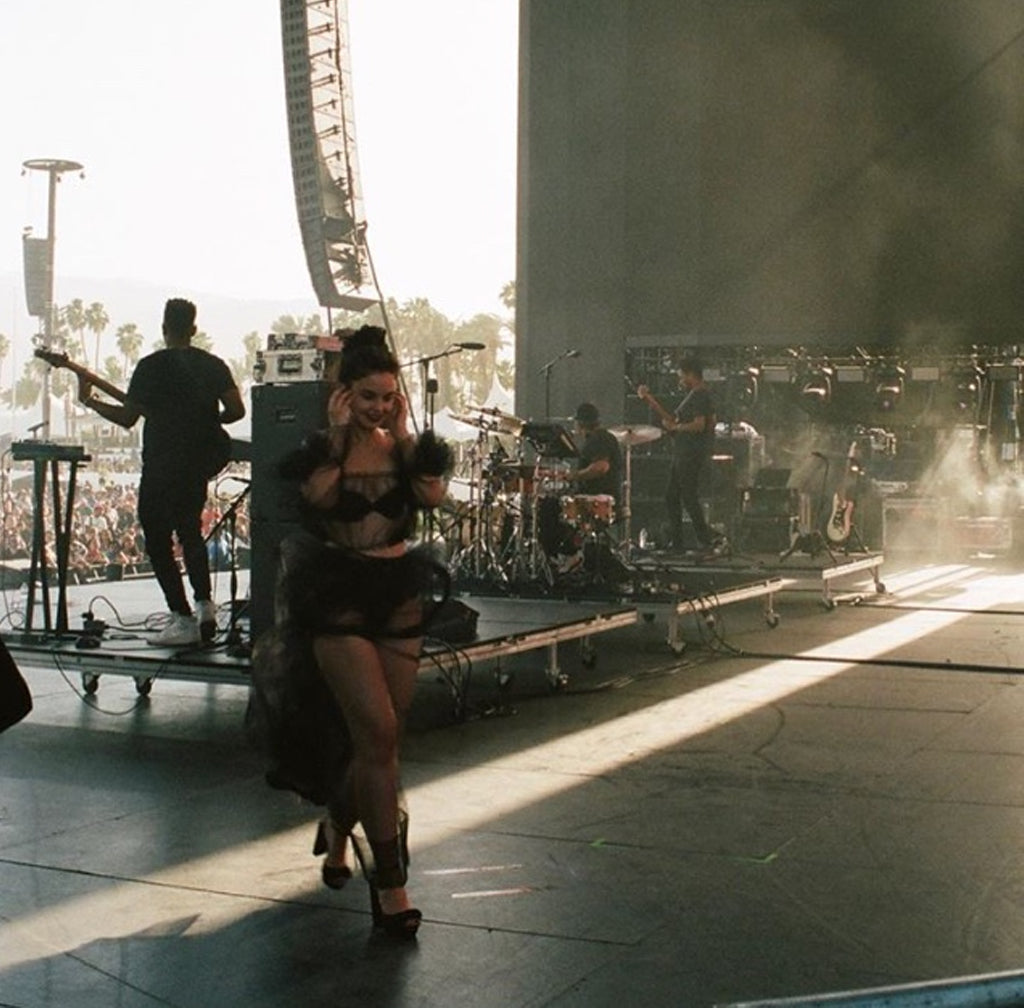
x: 519, y: 520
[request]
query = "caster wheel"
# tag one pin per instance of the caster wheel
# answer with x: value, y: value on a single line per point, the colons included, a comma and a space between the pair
x: 773, y: 620
x: 90, y: 683
x: 143, y: 686
x: 589, y: 660
x: 829, y: 604
x: 879, y: 588
x: 560, y: 684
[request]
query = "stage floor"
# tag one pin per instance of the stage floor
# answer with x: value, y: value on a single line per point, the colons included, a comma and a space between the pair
x: 827, y: 807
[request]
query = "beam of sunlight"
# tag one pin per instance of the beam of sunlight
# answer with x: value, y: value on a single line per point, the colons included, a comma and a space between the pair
x: 486, y: 791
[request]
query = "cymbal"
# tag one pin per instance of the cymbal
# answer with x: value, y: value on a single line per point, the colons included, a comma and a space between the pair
x: 473, y: 421
x: 493, y: 419
x: 634, y: 434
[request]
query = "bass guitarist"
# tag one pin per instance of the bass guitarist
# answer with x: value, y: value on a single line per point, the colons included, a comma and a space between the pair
x: 184, y: 395
x: 692, y: 429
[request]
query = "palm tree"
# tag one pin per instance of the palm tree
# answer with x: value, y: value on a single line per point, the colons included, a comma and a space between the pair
x: 5, y: 349
x: 242, y: 367
x: 508, y: 295
x: 28, y: 387
x: 202, y: 340
x: 113, y: 370
x: 474, y: 369
x: 129, y: 342
x: 419, y: 331
x: 72, y: 315
x: 96, y: 321
x: 310, y: 325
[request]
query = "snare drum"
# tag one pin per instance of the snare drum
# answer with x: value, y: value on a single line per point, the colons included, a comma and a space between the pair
x: 587, y: 511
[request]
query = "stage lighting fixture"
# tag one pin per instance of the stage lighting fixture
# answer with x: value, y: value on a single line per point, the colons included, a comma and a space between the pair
x: 966, y: 390
x: 889, y: 387
x: 816, y: 393
x: 742, y: 390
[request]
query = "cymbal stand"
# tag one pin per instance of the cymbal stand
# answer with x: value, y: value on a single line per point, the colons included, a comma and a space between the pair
x: 478, y: 559
x: 529, y: 562
x: 626, y: 546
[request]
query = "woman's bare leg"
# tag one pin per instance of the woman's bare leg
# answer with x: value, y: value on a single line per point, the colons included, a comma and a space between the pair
x: 354, y: 673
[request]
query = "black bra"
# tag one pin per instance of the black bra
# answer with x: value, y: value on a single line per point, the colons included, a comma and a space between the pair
x: 352, y: 506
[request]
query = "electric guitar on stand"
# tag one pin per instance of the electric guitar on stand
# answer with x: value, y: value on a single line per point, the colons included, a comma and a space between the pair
x: 216, y: 454
x: 840, y: 522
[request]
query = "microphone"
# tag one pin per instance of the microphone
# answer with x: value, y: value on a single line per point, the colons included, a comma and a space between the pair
x: 471, y: 346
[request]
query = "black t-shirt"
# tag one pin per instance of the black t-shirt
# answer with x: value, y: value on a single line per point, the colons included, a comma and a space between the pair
x: 600, y: 444
x: 690, y: 445
x: 178, y: 391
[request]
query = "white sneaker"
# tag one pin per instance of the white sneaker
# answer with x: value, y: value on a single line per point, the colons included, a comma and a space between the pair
x: 206, y: 615
x: 180, y: 631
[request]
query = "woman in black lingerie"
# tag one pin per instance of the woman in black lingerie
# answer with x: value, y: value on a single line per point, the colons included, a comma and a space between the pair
x: 355, y: 598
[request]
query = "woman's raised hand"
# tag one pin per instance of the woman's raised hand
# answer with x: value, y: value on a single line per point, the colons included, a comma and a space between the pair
x: 339, y: 409
x: 398, y: 418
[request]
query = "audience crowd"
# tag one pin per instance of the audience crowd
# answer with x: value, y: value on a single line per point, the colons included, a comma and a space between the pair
x: 106, y: 542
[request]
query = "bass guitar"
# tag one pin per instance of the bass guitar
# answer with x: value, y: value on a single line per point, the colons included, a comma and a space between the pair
x: 215, y: 455
x: 62, y: 360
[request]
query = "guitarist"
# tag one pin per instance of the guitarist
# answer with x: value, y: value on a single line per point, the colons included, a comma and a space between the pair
x: 184, y: 395
x: 692, y: 428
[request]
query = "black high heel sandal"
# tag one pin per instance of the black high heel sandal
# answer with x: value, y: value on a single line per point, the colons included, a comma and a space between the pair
x: 334, y: 876
x: 388, y: 863
x: 403, y: 924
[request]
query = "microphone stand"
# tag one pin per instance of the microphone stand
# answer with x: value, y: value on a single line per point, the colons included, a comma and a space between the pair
x: 233, y: 637
x: 546, y: 371
x: 429, y: 396
x: 430, y: 384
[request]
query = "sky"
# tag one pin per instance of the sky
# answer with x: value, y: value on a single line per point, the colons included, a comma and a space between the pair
x: 176, y: 111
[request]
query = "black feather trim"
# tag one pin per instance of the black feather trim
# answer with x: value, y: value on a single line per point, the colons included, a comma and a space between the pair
x: 300, y: 463
x: 431, y: 456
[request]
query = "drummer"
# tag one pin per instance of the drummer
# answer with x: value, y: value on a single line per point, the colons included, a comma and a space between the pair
x: 600, y: 461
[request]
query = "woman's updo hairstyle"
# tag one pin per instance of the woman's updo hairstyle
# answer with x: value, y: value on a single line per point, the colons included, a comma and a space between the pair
x: 366, y: 352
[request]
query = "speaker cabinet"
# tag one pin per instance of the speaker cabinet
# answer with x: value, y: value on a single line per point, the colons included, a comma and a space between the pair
x: 282, y: 415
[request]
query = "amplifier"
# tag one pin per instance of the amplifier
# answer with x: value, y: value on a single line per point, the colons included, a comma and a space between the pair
x: 983, y: 535
x: 770, y: 502
x: 767, y: 535
x: 282, y: 366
